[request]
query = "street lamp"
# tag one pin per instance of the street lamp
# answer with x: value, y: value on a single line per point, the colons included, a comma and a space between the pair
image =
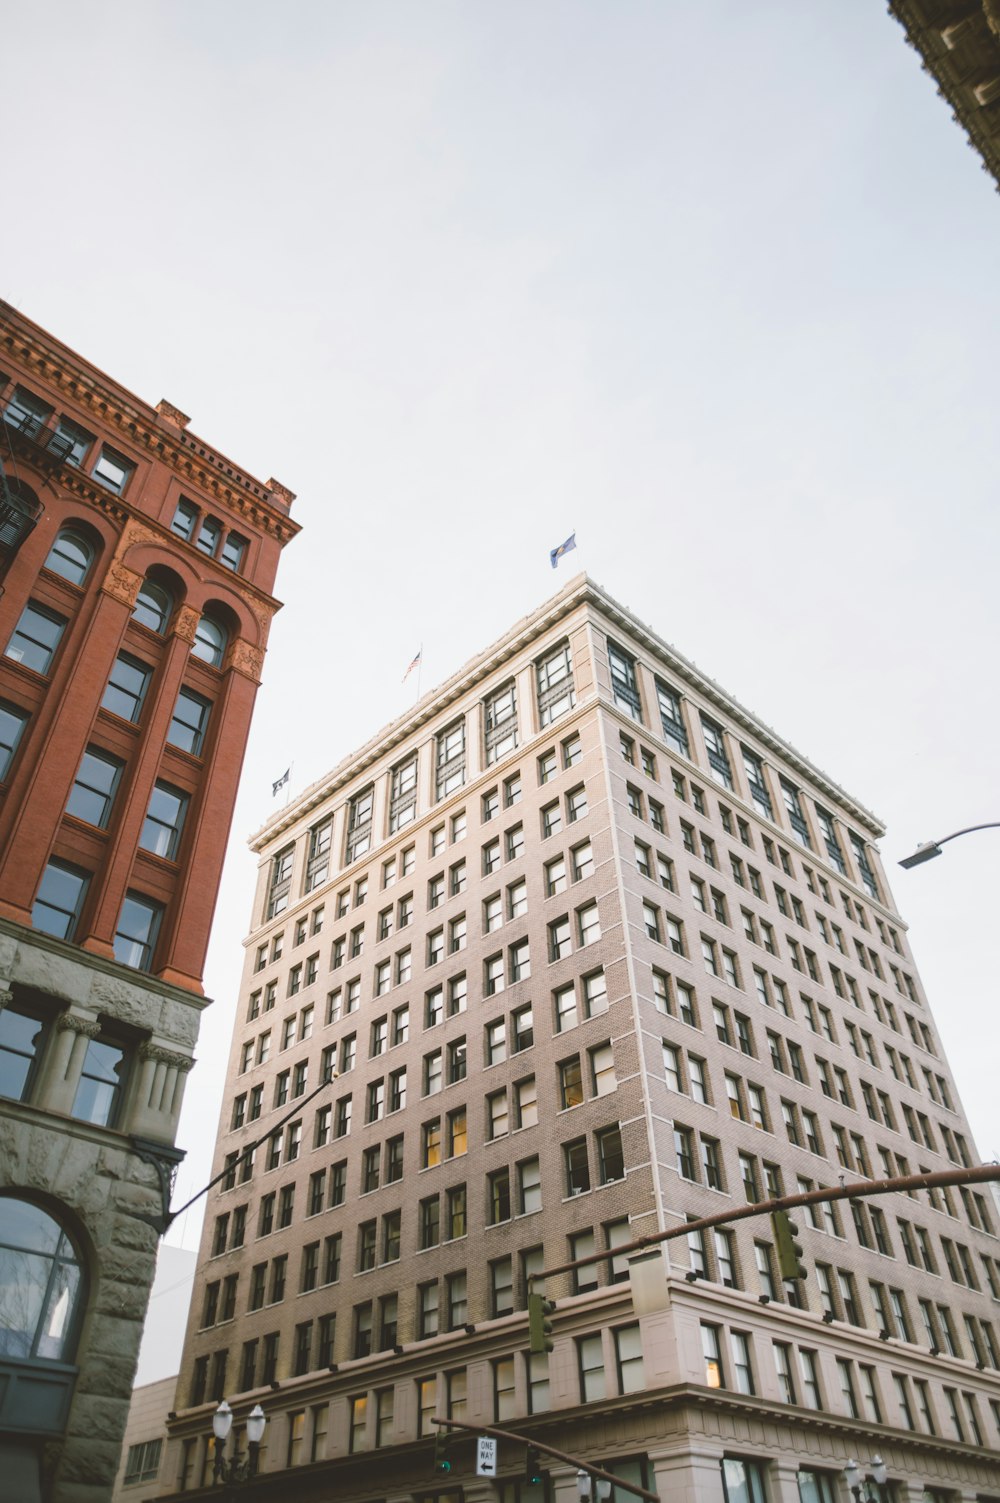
x: 862, y: 1487
x: 931, y: 848
x: 238, y: 1468
x: 586, y: 1491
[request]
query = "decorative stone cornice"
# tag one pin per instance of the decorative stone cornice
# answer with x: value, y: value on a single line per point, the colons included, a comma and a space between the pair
x: 70, y: 1022
x: 579, y: 592
x: 172, y: 414
x: 121, y: 583
x: 161, y: 1056
x: 245, y: 659
x: 185, y: 623
x: 160, y: 431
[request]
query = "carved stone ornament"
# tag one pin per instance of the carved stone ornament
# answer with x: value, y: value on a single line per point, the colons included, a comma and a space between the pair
x: 280, y: 492
x: 5, y: 997
x: 172, y: 414
x: 122, y: 583
x: 87, y: 1026
x: 186, y: 623
x: 246, y: 659
x: 165, y: 1056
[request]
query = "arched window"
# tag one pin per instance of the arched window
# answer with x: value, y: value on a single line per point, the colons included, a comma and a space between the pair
x: 153, y: 607
x: 209, y: 642
x: 71, y: 556
x: 41, y: 1284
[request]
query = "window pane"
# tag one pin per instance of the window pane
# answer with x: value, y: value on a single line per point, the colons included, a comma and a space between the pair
x: 137, y: 929
x: 36, y: 638
x: 19, y: 1037
x: 60, y: 897
x: 100, y: 1084
x: 70, y: 557
x: 152, y: 607
x: 93, y: 792
x: 12, y: 723
x: 126, y: 688
x: 187, y: 729
x: 161, y: 831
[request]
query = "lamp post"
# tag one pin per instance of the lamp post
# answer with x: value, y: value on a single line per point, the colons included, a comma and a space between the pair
x: 238, y: 1468
x: 862, y: 1487
x: 586, y: 1491
x: 931, y: 848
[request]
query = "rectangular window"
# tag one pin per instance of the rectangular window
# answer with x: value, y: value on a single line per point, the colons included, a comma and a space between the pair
x: 138, y: 927
x: 161, y: 830
x: 190, y: 722
x: 671, y: 718
x: 36, y: 638
x: 624, y: 681
x: 715, y: 746
x: 359, y: 824
x: 92, y: 796
x: 403, y: 795
x: 554, y: 676
x: 500, y: 722
x: 450, y: 759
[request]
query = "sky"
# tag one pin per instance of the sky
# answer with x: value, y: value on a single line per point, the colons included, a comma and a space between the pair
x: 712, y: 284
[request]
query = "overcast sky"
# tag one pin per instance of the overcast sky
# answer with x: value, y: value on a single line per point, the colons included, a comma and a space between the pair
x: 714, y: 284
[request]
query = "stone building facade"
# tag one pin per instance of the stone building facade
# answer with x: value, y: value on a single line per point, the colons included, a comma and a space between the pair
x: 585, y: 951
x: 959, y: 45
x: 137, y: 567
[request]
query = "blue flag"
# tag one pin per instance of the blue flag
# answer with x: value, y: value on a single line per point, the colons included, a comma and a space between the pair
x: 556, y: 553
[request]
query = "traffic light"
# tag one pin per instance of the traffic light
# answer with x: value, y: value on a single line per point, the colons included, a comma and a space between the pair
x: 442, y: 1461
x: 539, y: 1325
x: 532, y: 1467
x: 790, y: 1252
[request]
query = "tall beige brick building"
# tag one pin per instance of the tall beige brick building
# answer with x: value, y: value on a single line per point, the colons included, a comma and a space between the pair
x: 592, y: 951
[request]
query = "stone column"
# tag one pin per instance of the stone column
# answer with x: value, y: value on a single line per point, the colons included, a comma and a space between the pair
x: 61, y: 1074
x: 783, y: 1477
x: 688, y: 1476
x: 156, y: 1101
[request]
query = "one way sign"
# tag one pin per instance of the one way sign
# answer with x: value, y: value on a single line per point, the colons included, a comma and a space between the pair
x: 486, y: 1456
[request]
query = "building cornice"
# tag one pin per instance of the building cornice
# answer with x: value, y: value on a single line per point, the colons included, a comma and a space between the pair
x: 959, y: 45
x: 580, y: 592
x: 158, y: 431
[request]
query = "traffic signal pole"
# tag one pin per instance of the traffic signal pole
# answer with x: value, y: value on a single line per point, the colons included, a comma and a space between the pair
x: 857, y: 1190
x: 539, y: 1445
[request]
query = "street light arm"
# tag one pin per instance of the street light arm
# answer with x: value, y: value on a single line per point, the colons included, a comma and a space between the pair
x: 931, y: 848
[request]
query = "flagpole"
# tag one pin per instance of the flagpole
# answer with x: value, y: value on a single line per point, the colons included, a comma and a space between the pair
x: 420, y: 669
x: 288, y: 784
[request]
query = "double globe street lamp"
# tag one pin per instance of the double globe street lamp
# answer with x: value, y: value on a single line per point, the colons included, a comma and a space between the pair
x: 591, y: 1489
x: 238, y: 1468
x: 861, y: 1487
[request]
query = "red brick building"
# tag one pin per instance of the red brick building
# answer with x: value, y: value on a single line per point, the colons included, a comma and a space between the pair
x: 136, y: 570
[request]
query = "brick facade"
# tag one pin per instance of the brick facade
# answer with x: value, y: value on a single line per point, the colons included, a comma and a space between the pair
x: 137, y: 567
